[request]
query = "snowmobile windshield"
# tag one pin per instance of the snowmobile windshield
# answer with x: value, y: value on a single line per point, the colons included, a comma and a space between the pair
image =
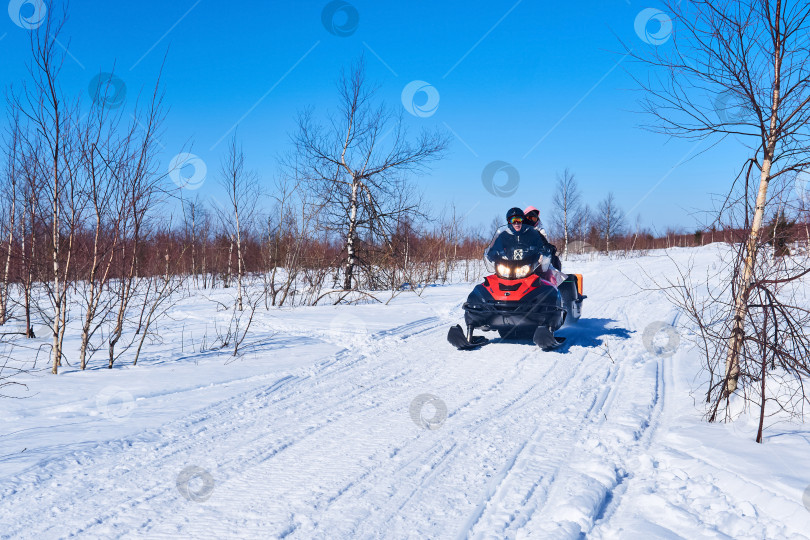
x: 513, y: 256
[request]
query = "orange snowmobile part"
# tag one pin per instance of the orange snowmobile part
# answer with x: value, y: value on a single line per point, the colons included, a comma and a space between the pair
x: 522, y: 286
x: 579, y: 283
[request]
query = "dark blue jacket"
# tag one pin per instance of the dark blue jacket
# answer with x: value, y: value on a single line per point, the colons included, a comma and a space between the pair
x: 526, y: 244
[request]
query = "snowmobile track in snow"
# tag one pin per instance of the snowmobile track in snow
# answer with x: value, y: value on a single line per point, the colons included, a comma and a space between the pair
x: 297, y: 418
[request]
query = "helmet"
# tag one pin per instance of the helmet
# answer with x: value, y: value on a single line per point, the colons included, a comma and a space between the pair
x: 514, y: 213
x: 532, y: 215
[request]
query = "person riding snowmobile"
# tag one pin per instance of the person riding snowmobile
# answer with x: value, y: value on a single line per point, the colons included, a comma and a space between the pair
x: 524, y: 298
x: 519, y: 237
x: 532, y: 216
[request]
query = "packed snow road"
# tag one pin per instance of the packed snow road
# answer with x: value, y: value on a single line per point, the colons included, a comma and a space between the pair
x: 362, y: 422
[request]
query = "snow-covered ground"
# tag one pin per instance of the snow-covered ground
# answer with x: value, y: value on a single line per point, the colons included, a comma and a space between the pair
x: 362, y: 422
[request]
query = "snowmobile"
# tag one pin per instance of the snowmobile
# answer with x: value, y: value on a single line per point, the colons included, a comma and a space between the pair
x: 524, y: 298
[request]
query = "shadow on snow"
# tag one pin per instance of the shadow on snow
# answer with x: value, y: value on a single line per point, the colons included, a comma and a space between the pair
x: 585, y: 333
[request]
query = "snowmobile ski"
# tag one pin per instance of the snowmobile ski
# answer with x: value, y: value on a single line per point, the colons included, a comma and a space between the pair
x: 545, y: 339
x: 457, y: 338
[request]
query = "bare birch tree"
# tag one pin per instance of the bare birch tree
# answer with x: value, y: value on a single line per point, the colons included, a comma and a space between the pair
x: 566, y: 203
x: 9, y: 209
x: 294, y: 215
x: 609, y: 220
x: 100, y: 162
x: 242, y: 191
x: 48, y: 112
x: 359, y: 164
x: 141, y: 186
x: 739, y: 68
x: 32, y: 183
x: 195, y: 228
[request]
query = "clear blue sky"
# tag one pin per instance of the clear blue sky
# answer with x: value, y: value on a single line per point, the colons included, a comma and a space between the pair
x: 508, y: 74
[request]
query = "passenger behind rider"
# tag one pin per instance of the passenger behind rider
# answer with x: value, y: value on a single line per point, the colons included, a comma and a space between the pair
x: 532, y: 218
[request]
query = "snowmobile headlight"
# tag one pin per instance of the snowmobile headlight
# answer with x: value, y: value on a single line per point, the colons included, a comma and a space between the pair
x: 503, y: 270
x: 522, y: 271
